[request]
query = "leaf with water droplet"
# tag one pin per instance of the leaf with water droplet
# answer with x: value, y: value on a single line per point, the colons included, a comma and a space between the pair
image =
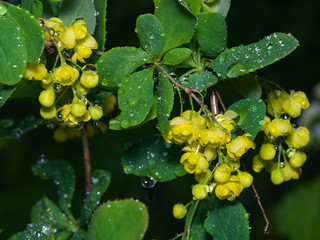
x: 137, y: 99
x: 5, y: 93
x: 199, y: 80
x: 211, y: 33
x: 251, y: 112
x: 72, y: 9
x: 61, y: 172
x: 192, y: 6
x: 100, y: 181
x: 219, y: 225
x: 123, y: 219
x: 219, y: 6
x: 100, y: 28
x: 248, y: 86
x: 244, y: 59
x: 34, y: 7
x: 149, y: 31
x: 3, y: 8
x: 178, y: 24
x: 163, y: 167
x: 19, y: 127
x: 165, y: 103
x: 118, y: 63
x: 176, y: 56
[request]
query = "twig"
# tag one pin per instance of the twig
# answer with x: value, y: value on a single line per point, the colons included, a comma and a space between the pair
x: 99, y: 53
x: 86, y: 156
x: 220, y: 100
x: 256, y: 195
x: 214, y: 102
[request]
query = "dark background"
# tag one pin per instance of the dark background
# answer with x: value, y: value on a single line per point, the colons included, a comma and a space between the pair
x: 248, y: 21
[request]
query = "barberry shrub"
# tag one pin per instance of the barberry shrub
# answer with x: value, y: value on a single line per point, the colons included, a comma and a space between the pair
x: 173, y: 78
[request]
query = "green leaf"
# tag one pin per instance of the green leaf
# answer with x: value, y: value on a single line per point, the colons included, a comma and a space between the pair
x: 72, y: 9
x: 5, y: 93
x: 100, y: 30
x: 27, y: 89
x: 193, y: 6
x: 118, y: 63
x: 100, y: 180
x: 178, y: 24
x: 42, y: 228
x: 47, y: 9
x: 153, y: 157
x: 62, y: 175
x: 227, y: 220
x: 13, y: 49
x: 253, y: 112
x: 14, y: 129
x: 200, y: 80
x: 135, y: 97
x: 241, y: 60
x: 33, y: 6
x: 248, y: 86
x: 123, y: 219
x: 220, y: 6
x: 60, y: 221
x: 18, y: 236
x: 176, y: 56
x: 151, y: 34
x: 211, y: 33
x: 197, y: 230
x: 297, y: 214
x: 165, y: 104
x: 79, y: 235
x: 27, y: 24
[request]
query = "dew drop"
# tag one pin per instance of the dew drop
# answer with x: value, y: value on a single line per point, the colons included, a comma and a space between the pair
x: 254, y: 109
x: 57, y: 87
x: 60, y: 115
x: 96, y: 13
x: 236, y: 70
x: 132, y: 101
x: 79, y: 126
x: 151, y: 36
x: 104, y: 81
x: 90, y: 68
x: 120, y: 91
x: 148, y: 182
x: 42, y: 158
x: 162, y: 34
x: 261, y: 122
x: 269, y: 46
x: 125, y: 124
x: 14, y: 66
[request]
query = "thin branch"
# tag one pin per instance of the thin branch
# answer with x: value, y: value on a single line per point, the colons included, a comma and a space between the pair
x: 256, y: 195
x: 213, y: 102
x: 86, y: 157
x: 99, y: 53
x: 220, y: 100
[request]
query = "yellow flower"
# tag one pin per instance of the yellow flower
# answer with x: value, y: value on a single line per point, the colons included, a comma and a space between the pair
x: 299, y: 137
x: 84, y: 48
x: 64, y: 114
x: 194, y: 162
x: 65, y: 75
x: 229, y: 190
x: 226, y: 122
x: 68, y: 38
x: 290, y: 172
x: 296, y: 101
x: 277, y: 128
x: 214, y: 137
x: 239, y: 146
x: 35, y: 72
x: 56, y: 24
x: 277, y: 98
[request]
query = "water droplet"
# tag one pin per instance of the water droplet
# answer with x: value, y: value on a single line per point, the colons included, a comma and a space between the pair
x: 269, y: 46
x: 254, y: 109
x: 96, y: 123
x: 236, y: 70
x: 132, y: 49
x: 104, y: 81
x: 261, y: 122
x: 96, y: 13
x: 42, y: 158
x: 3, y: 9
x: 132, y: 101
x: 127, y: 170
x: 151, y: 36
x: 14, y: 66
x: 162, y: 34
x: 125, y: 124
x: 90, y: 68
x: 60, y: 115
x: 57, y: 87
x: 17, y: 133
x: 148, y: 182
x: 120, y: 91
x: 79, y: 126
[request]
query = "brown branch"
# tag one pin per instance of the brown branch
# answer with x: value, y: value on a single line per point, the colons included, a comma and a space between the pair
x: 256, y: 195
x: 213, y: 101
x: 220, y: 100
x: 99, y: 53
x: 86, y: 156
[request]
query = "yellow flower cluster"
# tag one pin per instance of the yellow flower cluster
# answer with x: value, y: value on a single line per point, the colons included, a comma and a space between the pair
x: 74, y: 37
x: 67, y: 79
x: 211, y: 154
x: 280, y: 133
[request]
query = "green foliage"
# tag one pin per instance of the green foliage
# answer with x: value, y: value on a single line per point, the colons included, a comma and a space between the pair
x: 193, y: 6
x: 224, y: 216
x: 251, y: 114
x: 248, y: 86
x: 118, y: 63
x: 211, y: 33
x: 100, y: 180
x: 62, y: 174
x: 220, y: 6
x: 5, y: 93
x: 241, y: 60
x: 100, y: 30
x: 151, y: 34
x: 165, y: 105
x: 123, y: 219
x: 153, y: 157
x: 178, y: 24
x: 176, y: 56
x: 72, y: 9
x: 135, y: 98
x: 33, y: 6
x: 199, y: 80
